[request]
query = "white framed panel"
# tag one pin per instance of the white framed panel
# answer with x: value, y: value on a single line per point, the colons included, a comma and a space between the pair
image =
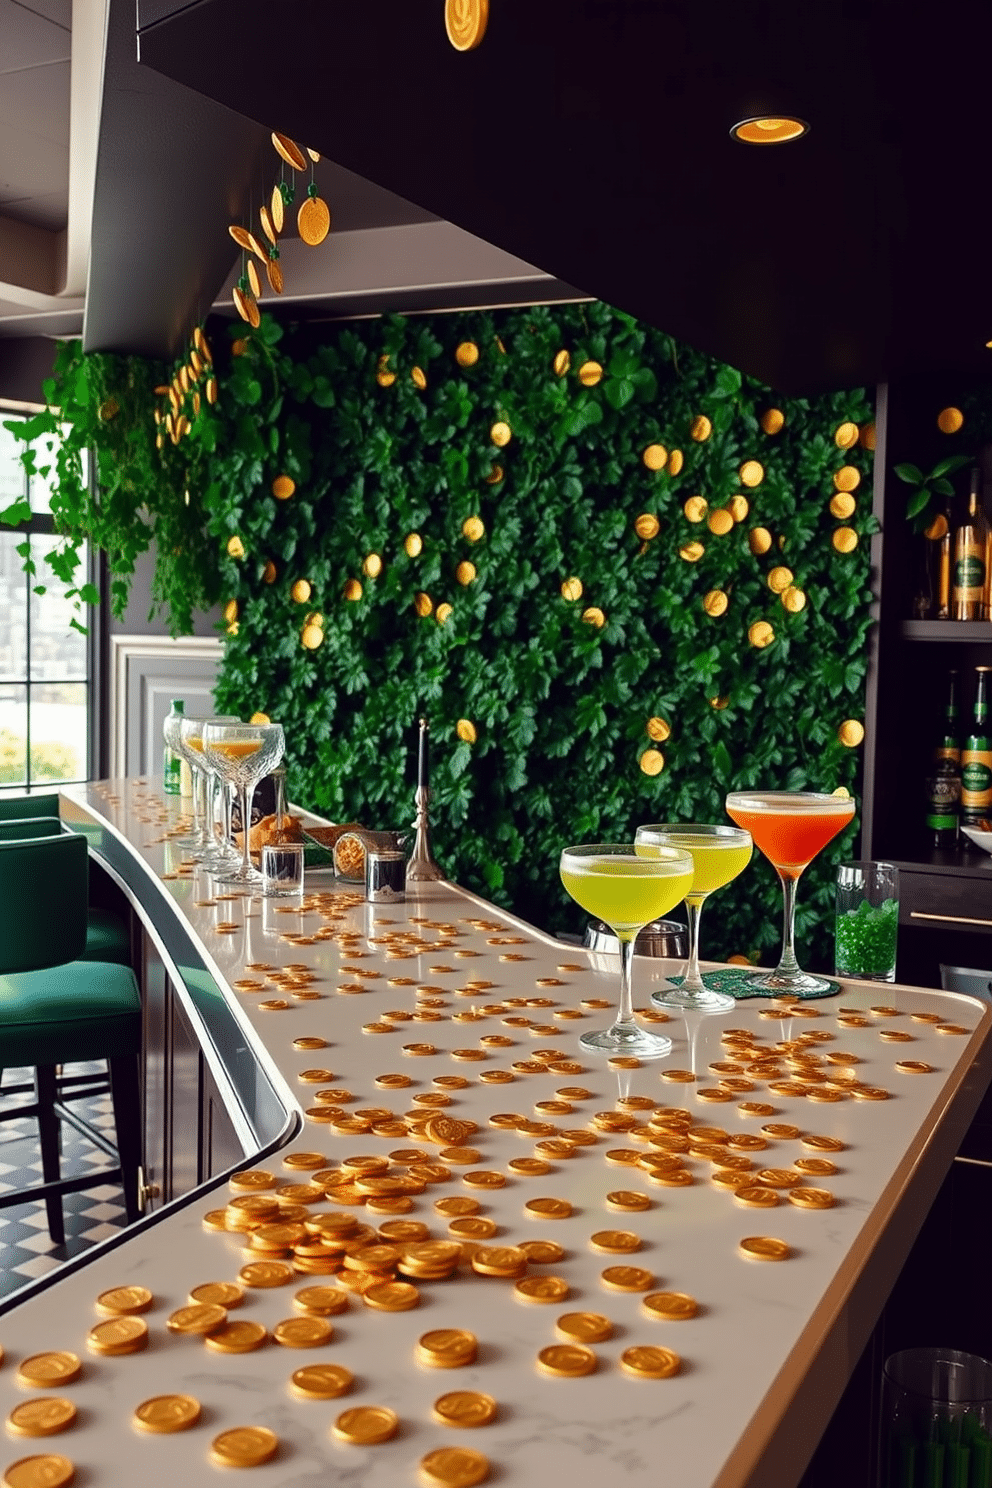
x: 146, y: 673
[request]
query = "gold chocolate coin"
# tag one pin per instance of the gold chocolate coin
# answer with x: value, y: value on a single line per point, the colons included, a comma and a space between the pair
x: 321, y: 1301
x: 542, y: 1289
x: 199, y: 1317
x: 584, y: 1327
x: 499, y: 1260
x: 764, y: 1248
x: 50, y: 1470
x: 567, y: 1360
x: 118, y: 1335
x: 125, y: 1299
x: 615, y: 1242
x: 321, y: 1381
x: 647, y: 1361
x: 244, y: 1446
x: 447, y: 1348
x: 46, y: 1370
x: 302, y: 1332
x: 811, y: 1198
x: 548, y: 1208
x: 166, y: 1413
x: 366, y: 1425
x: 672, y: 1306
x: 453, y: 1467
x: 627, y: 1279
x: 290, y: 152
x: 542, y: 1252
x: 45, y: 1416
x: 822, y: 1144
x: 217, y: 1294
x: 236, y: 1338
x: 465, y: 1408
x: 265, y: 1274
x: 313, y: 221
x: 392, y: 1296
x: 914, y: 1067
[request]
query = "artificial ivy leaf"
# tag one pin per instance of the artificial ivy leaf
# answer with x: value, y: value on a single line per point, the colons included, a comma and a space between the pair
x: 916, y: 503
x: 911, y: 474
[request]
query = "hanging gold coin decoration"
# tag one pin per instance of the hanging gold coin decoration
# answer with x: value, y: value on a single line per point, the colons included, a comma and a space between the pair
x: 277, y: 209
x: 254, y: 282
x: 248, y: 241
x: 273, y: 272
x: 265, y: 218
x: 465, y: 22
x: 289, y: 150
x: 314, y: 218
x: 240, y: 298
x: 773, y: 420
x: 314, y: 155
x: 562, y: 362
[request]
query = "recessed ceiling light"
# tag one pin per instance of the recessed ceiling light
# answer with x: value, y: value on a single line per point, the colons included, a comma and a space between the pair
x: 767, y: 130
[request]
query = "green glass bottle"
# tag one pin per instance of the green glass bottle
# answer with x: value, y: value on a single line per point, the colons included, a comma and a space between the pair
x: 976, y: 759
x: 171, y: 763
x: 944, y: 781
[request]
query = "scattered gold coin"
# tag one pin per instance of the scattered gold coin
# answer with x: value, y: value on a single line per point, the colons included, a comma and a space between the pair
x: 125, y: 1299
x: 199, y: 1317
x: 236, y: 1338
x: 465, y: 1408
x: 50, y: 1470
x: 366, y: 1425
x: 46, y: 1416
x: 321, y: 1301
x: 46, y: 1370
x: 672, y: 1306
x: 647, y: 1361
x: 118, y: 1335
x: 302, y: 1332
x: 217, y: 1293
x: 548, y: 1208
x: 265, y: 1274
x: 627, y: 1200
x: 166, y: 1413
x: 244, y: 1446
x: 914, y: 1067
x: 542, y: 1252
x: 542, y: 1289
x: 447, y: 1348
x: 453, y: 1467
x: 811, y: 1198
x: 615, y: 1242
x: 567, y: 1360
x: 321, y: 1381
x: 392, y: 1296
x: 764, y: 1248
x: 627, y: 1279
x: 584, y: 1327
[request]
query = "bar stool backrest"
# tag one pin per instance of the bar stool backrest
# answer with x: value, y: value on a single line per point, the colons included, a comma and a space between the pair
x: 20, y: 828
x: 21, y: 806
x: 43, y: 903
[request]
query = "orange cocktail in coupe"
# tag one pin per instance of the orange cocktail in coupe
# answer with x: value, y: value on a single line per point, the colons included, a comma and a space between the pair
x: 790, y: 828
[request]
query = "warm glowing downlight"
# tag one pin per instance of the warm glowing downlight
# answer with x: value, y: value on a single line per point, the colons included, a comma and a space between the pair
x: 769, y: 131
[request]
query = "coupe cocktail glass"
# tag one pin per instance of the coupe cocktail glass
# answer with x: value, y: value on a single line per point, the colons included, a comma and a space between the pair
x: 719, y: 854
x: 790, y: 828
x: 616, y: 884
x: 243, y: 753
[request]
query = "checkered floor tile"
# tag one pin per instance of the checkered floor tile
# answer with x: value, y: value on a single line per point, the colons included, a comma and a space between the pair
x: 26, y: 1251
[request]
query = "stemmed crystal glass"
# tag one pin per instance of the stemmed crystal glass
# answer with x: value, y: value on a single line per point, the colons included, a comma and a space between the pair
x: 188, y: 735
x: 625, y: 889
x: 790, y: 828
x: 221, y: 853
x: 719, y: 854
x: 242, y: 754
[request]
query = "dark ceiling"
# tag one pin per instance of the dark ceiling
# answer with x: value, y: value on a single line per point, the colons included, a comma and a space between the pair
x: 590, y: 137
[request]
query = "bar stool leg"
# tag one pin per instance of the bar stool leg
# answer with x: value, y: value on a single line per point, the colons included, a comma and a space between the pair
x: 126, y: 1093
x: 48, y: 1131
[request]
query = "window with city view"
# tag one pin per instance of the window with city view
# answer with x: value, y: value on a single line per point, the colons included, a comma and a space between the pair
x: 44, y: 660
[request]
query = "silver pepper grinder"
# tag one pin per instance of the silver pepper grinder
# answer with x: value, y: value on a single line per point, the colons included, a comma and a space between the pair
x: 421, y: 867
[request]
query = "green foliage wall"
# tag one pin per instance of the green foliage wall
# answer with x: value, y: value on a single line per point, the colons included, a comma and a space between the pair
x: 559, y: 706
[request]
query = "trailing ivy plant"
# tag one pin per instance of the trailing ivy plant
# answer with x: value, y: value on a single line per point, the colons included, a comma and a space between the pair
x: 543, y: 719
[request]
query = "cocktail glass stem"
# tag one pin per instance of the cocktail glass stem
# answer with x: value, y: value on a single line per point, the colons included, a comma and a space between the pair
x: 787, y: 960
x: 247, y: 795
x: 693, y: 981
x: 625, y: 1027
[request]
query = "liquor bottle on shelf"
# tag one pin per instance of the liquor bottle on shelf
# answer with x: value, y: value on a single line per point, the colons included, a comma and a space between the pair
x: 939, y: 543
x: 971, y: 558
x: 171, y: 762
x: 976, y: 759
x: 944, y: 780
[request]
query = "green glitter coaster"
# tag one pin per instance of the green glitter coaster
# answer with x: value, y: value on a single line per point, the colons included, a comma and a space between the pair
x: 735, y: 981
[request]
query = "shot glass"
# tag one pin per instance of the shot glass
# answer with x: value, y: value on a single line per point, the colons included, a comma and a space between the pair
x: 282, y: 869
x: 867, y: 921
x: 936, y: 1420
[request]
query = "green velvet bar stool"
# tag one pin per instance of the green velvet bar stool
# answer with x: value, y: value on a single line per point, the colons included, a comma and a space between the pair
x: 56, y: 1009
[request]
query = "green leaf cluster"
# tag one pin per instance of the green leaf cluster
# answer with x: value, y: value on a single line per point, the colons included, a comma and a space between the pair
x: 559, y: 705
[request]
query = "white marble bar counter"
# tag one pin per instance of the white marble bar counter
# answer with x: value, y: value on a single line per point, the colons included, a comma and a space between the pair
x: 767, y: 1355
